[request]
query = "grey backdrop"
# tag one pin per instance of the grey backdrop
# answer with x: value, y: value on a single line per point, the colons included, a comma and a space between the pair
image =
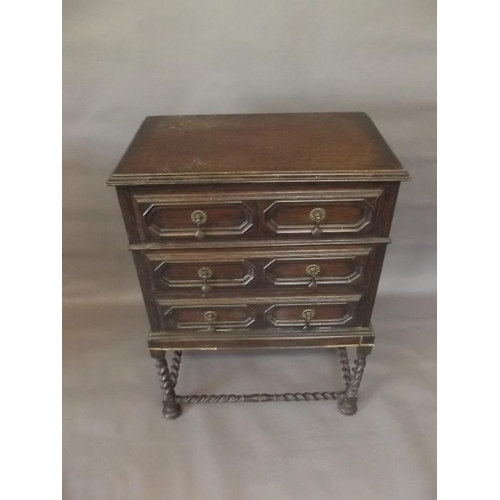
x: 127, y: 59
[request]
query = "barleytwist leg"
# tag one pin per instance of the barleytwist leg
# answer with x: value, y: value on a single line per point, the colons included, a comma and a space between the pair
x: 170, y: 408
x: 174, y: 367
x: 348, y: 403
x: 346, y: 369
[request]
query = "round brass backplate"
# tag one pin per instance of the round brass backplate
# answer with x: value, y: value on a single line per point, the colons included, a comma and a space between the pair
x: 313, y: 270
x: 199, y: 217
x: 308, y: 314
x: 205, y: 273
x: 317, y: 215
x: 210, y: 316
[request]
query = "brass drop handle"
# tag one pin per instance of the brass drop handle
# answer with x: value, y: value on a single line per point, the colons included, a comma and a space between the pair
x: 313, y: 270
x: 308, y: 315
x: 210, y: 318
x: 199, y: 217
x: 317, y: 215
x: 205, y: 273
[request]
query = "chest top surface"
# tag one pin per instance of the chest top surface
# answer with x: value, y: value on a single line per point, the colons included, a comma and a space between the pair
x: 257, y: 148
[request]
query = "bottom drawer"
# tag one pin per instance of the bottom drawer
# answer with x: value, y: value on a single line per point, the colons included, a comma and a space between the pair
x: 311, y: 313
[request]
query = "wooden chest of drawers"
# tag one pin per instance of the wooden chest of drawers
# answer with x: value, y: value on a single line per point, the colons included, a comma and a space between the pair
x: 259, y: 231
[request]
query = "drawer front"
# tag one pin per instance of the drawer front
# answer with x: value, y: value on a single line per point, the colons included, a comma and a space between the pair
x: 314, y: 214
x: 308, y: 314
x: 342, y: 212
x: 214, y: 317
x: 204, y: 276
x: 161, y: 219
x: 314, y: 272
x: 208, y: 272
x: 311, y: 315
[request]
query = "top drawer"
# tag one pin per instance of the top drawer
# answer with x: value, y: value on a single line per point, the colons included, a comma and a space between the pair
x: 311, y: 214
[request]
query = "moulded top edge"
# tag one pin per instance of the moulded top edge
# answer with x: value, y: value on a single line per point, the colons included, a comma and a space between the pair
x: 251, y: 177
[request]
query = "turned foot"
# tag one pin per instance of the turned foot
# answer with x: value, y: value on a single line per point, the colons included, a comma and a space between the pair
x: 348, y: 406
x: 171, y: 410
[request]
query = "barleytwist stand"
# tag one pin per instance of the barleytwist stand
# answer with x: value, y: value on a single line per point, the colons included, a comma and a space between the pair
x: 347, y: 400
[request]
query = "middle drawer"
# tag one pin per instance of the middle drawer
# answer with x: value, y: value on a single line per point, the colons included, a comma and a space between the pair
x: 206, y: 271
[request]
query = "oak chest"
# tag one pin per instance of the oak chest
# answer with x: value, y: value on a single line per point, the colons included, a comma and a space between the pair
x: 259, y: 231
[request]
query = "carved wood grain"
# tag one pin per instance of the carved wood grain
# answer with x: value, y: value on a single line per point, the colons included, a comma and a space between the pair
x: 345, y: 212
x: 188, y: 317
x: 333, y: 270
x: 258, y: 214
x: 229, y: 274
x: 325, y: 314
x: 258, y: 269
x: 160, y: 217
x: 259, y: 312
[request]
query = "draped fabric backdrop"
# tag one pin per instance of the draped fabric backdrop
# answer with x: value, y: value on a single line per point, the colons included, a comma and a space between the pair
x: 127, y: 59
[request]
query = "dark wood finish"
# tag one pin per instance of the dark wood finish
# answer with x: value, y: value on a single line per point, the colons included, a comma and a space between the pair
x: 258, y: 212
x: 205, y: 272
x: 258, y: 312
x: 165, y: 217
x: 263, y: 339
x: 337, y: 212
x: 209, y: 318
x: 273, y: 148
x: 344, y: 269
x: 259, y: 231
